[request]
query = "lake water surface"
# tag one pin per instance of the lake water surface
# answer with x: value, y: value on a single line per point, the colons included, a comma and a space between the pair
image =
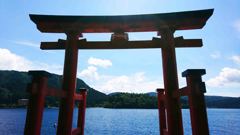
x: 100, y: 121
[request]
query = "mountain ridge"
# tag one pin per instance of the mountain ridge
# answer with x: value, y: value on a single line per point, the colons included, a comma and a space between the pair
x: 13, y: 87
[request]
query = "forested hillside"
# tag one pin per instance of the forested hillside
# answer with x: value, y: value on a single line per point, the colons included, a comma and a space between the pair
x: 13, y: 87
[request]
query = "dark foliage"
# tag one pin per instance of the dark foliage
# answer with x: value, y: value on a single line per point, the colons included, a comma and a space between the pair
x: 130, y: 100
x: 222, y: 102
x: 13, y: 87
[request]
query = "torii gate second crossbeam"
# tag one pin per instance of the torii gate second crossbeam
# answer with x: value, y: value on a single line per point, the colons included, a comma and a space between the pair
x: 165, y: 24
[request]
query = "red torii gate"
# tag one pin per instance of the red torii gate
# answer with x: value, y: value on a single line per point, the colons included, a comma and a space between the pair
x: 166, y: 24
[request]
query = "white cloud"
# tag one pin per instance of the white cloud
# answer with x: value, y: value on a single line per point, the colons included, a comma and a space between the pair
x: 27, y: 43
x: 237, y: 25
x: 11, y: 61
x: 99, y: 62
x: 227, y: 77
x: 135, y: 83
x: 90, y: 73
x: 215, y: 55
x: 236, y: 59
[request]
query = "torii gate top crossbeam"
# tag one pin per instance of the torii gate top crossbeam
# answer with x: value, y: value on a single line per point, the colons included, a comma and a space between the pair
x: 126, y: 23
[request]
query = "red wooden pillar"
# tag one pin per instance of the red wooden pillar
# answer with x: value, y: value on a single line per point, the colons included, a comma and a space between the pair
x: 38, y: 89
x: 196, y: 89
x: 65, y: 117
x: 82, y: 110
x: 161, y: 111
x: 172, y: 104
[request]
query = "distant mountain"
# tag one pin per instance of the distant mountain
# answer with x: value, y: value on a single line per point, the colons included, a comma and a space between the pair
x: 222, y: 102
x: 13, y: 87
x: 213, y: 101
x: 154, y: 94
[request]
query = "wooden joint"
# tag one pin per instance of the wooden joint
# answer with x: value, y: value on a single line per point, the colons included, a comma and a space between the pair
x: 78, y: 97
x: 73, y: 34
x: 176, y: 94
x: 119, y: 37
x: 181, y: 92
x: 165, y: 31
x: 184, y: 91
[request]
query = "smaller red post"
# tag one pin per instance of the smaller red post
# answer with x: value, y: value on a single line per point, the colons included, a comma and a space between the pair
x: 35, y: 108
x: 196, y: 99
x: 161, y: 111
x: 81, y: 110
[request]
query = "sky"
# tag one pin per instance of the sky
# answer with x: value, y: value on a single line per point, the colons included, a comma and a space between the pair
x: 135, y: 71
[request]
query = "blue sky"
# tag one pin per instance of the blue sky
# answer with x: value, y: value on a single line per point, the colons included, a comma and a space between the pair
x: 125, y: 70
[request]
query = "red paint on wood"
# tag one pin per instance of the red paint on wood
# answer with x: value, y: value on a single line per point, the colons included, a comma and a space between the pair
x: 65, y: 117
x: 172, y: 104
x: 161, y: 111
x: 196, y: 100
x: 36, y: 105
x: 81, y: 111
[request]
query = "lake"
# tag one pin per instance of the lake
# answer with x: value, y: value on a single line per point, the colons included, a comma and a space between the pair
x: 100, y: 121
